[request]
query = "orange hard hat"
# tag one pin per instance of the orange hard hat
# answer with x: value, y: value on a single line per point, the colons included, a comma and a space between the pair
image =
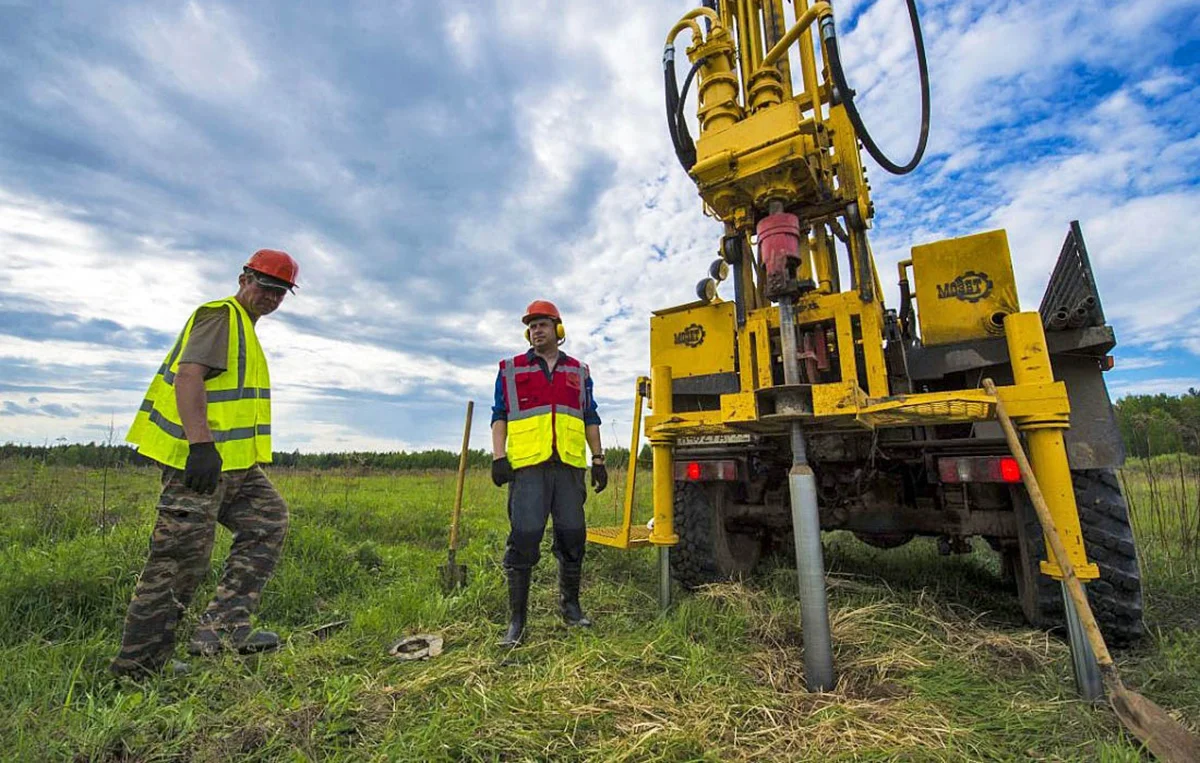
x: 277, y: 264
x: 540, y: 308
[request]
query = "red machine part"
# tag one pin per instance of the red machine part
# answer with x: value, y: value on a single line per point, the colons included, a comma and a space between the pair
x: 779, y: 242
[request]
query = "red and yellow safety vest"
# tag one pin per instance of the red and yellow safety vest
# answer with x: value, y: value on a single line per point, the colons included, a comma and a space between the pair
x: 239, y: 401
x: 545, y: 415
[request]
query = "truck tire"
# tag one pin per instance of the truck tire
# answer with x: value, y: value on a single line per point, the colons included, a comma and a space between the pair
x: 1116, y: 597
x: 708, y: 552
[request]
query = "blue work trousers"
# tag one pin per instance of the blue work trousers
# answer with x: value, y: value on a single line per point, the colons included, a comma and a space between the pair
x: 545, y: 490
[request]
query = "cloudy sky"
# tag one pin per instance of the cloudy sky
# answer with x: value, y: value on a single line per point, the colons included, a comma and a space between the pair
x: 435, y: 166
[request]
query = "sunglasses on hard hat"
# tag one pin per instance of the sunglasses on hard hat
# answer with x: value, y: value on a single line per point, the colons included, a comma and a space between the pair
x: 267, y: 282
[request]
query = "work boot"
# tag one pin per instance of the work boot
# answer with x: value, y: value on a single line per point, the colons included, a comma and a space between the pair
x: 518, y: 607
x: 568, y: 599
x: 207, y: 642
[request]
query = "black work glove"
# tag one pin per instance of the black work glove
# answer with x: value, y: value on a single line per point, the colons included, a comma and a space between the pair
x: 203, y: 470
x: 502, y: 471
x: 599, y: 477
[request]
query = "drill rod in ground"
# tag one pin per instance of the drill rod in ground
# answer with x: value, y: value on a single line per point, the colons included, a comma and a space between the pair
x: 806, y: 525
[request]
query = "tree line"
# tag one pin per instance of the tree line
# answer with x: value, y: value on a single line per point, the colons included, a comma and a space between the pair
x: 103, y: 454
x: 1150, y: 425
x: 1155, y: 424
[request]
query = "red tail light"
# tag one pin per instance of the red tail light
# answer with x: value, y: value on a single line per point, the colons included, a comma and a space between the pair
x: 979, y: 469
x: 1010, y: 470
x: 706, y: 471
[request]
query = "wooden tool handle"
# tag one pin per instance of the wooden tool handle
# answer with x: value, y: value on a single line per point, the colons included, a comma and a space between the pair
x: 462, y: 473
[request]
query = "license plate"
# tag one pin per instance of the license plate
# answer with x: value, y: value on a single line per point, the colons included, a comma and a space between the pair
x: 714, y: 439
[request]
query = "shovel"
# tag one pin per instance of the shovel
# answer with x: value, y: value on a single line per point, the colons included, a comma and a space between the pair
x: 454, y: 575
x: 1162, y: 735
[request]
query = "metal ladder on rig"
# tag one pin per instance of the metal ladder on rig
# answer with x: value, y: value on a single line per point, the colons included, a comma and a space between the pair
x: 627, y: 534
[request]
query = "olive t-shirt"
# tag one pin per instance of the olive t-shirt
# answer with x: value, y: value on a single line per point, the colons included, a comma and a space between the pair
x: 208, y: 344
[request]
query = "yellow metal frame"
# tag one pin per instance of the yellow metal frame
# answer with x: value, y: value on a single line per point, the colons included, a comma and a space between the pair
x: 626, y: 535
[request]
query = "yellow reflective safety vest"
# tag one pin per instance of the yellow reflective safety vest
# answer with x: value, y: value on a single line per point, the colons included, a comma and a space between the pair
x: 545, y: 415
x: 239, y: 401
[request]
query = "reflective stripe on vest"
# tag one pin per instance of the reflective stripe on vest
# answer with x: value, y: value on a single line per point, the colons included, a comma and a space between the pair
x: 549, y: 417
x: 239, y: 408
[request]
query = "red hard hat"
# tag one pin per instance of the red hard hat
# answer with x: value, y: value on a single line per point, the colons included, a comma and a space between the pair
x: 275, y: 263
x: 540, y: 308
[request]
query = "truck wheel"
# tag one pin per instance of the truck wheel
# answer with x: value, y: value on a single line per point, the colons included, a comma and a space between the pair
x: 708, y: 552
x: 1116, y: 597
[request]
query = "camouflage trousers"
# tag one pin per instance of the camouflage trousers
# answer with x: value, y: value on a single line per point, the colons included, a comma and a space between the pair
x: 247, y: 503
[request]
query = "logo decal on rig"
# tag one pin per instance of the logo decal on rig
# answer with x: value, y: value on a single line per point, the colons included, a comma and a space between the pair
x: 692, y: 336
x: 968, y: 287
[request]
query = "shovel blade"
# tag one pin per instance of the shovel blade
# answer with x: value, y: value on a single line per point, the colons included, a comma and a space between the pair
x: 454, y: 576
x: 1168, y: 739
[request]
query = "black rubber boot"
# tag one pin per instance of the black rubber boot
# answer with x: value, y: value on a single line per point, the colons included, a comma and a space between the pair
x: 568, y: 599
x: 518, y: 606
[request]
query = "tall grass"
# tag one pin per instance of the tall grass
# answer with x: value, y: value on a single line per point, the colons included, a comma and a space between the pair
x: 1163, y: 494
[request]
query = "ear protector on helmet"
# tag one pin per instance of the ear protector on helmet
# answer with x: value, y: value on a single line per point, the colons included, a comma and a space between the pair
x: 559, y: 332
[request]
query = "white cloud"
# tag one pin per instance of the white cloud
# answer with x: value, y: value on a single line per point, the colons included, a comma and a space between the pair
x: 1173, y: 385
x: 217, y: 142
x: 199, y: 48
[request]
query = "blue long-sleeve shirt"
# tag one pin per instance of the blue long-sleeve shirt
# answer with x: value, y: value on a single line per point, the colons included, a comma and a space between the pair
x: 500, y: 412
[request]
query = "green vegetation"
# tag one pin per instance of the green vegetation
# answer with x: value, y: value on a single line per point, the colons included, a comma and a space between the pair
x: 108, y: 455
x: 1155, y: 424
x: 933, y: 659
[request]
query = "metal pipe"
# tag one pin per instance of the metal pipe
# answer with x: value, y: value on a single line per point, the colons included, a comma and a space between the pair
x: 726, y: 12
x: 866, y: 273
x: 687, y: 22
x: 806, y: 530
x: 664, y: 577
x: 773, y: 15
x: 808, y: 67
x: 810, y: 566
x: 806, y: 523
x: 682, y: 25
x: 806, y: 19
x: 1083, y: 659
x: 835, y: 276
x: 754, y: 36
x: 743, y: 47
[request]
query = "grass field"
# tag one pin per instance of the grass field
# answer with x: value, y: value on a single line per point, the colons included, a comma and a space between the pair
x: 933, y: 660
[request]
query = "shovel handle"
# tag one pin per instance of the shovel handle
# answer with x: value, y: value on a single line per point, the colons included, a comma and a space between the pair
x: 1074, y: 587
x: 462, y: 473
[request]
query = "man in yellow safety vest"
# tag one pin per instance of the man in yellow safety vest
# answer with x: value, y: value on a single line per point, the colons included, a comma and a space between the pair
x: 543, y: 417
x: 207, y: 420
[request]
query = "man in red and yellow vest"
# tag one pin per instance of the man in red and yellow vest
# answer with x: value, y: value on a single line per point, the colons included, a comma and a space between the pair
x: 206, y: 419
x: 543, y: 418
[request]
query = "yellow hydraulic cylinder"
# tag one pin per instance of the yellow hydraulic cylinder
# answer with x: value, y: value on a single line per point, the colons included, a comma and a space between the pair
x: 718, y: 99
x: 1030, y: 359
x: 661, y: 447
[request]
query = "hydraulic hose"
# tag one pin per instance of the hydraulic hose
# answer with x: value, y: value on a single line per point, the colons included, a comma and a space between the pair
x: 681, y: 138
x: 829, y: 36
